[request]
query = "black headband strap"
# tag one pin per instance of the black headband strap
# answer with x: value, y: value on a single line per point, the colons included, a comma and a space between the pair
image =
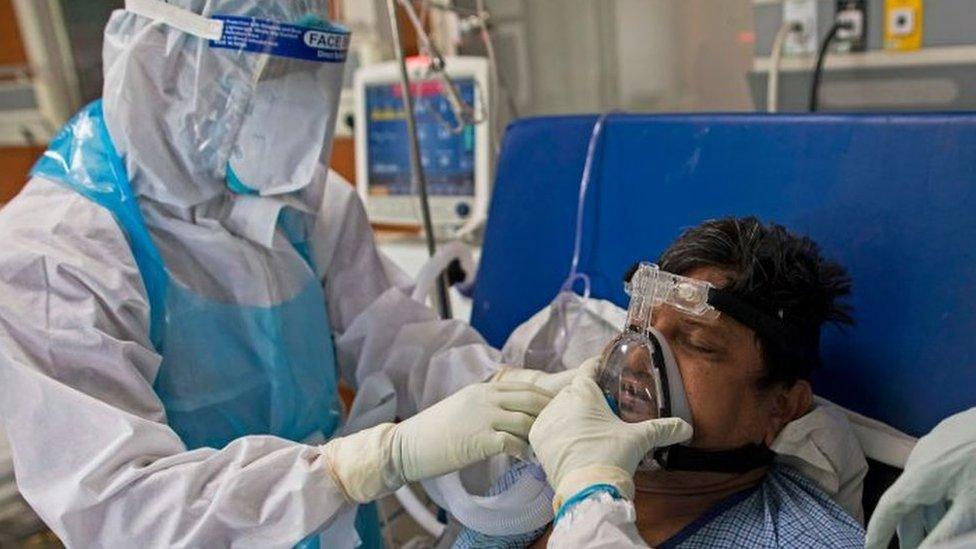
x: 802, y: 344
x: 737, y: 460
x: 760, y: 321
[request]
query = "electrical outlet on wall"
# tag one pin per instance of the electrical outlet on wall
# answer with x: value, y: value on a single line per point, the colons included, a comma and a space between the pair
x: 854, y: 12
x: 903, y: 25
x: 803, y: 13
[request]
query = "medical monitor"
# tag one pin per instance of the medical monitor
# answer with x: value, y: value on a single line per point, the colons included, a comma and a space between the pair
x: 455, y: 157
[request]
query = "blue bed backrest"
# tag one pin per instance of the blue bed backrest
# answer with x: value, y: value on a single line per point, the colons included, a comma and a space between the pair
x: 892, y: 197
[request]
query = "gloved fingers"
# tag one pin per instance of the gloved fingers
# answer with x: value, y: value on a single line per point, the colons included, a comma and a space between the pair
x: 515, y: 423
x: 879, y: 534
x: 911, y: 528
x: 520, y: 397
x: 501, y: 374
x: 587, y: 391
x: 906, y: 507
x: 586, y: 385
x: 517, y: 386
x: 556, y: 382
x: 517, y: 374
x: 919, y: 486
x: 512, y: 445
x: 664, y: 431
x: 589, y: 368
x: 932, y: 514
x: 891, y: 509
x: 958, y: 520
x: 878, y: 537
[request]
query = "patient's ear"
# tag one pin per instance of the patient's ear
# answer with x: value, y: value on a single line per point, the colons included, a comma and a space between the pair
x: 787, y: 405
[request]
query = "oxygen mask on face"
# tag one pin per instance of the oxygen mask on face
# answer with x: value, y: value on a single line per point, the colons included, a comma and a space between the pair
x: 629, y: 378
x: 640, y: 378
x: 638, y: 373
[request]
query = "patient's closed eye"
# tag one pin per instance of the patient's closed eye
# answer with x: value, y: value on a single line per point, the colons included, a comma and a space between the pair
x: 698, y: 346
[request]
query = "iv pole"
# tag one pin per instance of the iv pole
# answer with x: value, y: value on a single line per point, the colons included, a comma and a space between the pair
x: 418, y: 179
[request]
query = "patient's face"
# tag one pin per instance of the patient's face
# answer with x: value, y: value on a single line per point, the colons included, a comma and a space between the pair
x: 721, y: 363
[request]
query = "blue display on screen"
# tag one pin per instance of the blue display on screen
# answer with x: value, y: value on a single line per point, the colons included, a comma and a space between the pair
x: 447, y: 157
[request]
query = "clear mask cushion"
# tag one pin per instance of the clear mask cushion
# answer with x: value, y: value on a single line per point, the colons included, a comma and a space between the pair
x: 638, y: 374
x: 630, y: 378
x: 640, y: 381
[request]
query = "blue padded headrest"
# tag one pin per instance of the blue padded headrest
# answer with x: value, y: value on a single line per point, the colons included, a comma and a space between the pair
x: 891, y: 197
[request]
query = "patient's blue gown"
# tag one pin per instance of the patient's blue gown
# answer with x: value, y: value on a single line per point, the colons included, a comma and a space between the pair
x: 785, y: 510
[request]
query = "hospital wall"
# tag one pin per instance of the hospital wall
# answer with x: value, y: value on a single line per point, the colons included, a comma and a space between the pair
x: 572, y: 56
x: 15, y: 158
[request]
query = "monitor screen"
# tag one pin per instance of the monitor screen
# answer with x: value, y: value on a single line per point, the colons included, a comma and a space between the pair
x: 447, y: 156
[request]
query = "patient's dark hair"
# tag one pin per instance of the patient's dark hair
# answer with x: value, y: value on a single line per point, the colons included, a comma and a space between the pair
x: 775, y: 271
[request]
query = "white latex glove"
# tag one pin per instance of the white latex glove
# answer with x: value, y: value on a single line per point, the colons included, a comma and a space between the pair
x: 475, y: 423
x: 934, y: 499
x: 581, y: 442
x: 552, y: 383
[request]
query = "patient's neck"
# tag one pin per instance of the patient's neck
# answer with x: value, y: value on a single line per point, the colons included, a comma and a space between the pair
x: 667, y: 501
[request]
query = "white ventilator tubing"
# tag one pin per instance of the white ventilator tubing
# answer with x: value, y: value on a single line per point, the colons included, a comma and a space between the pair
x: 772, y: 80
x: 426, y: 280
x: 523, y: 507
x: 419, y: 512
x: 431, y: 271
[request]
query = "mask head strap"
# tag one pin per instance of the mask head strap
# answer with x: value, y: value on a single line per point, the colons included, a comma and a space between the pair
x: 736, y: 460
x: 178, y: 18
x: 802, y: 345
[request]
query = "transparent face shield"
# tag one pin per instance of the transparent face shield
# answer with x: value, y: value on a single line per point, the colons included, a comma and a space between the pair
x: 286, y: 128
x: 638, y: 373
x: 268, y: 78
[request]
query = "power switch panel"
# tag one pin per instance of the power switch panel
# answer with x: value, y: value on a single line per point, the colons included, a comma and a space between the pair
x: 854, y: 13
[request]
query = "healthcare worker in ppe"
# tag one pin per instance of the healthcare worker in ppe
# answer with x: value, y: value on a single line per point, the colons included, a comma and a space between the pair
x: 933, y: 502
x: 182, y: 284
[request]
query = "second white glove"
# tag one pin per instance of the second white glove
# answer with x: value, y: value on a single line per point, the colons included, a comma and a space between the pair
x: 581, y: 442
x: 546, y: 381
x: 475, y: 423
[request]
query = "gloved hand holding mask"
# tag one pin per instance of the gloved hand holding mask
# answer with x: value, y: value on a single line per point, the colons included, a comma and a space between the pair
x: 581, y: 442
x: 473, y: 424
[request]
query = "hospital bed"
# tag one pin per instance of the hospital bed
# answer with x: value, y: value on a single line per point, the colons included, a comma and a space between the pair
x: 892, y: 197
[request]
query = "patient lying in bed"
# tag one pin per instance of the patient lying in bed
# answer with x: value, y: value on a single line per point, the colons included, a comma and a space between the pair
x: 744, y: 391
